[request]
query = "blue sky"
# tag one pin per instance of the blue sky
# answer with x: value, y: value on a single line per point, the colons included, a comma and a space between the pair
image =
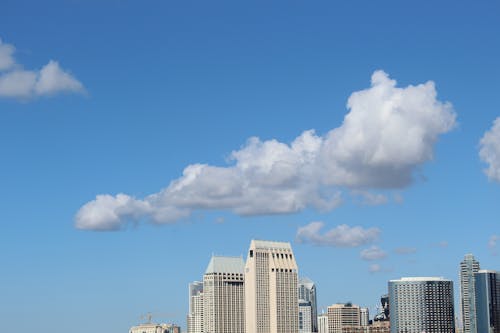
x: 110, y: 97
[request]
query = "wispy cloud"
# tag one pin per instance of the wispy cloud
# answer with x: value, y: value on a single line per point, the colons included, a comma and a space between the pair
x: 370, y: 198
x: 16, y: 82
x: 388, y: 133
x: 373, y: 253
x: 489, y: 151
x: 340, y: 236
x: 492, y: 244
x: 377, y: 268
x: 405, y: 250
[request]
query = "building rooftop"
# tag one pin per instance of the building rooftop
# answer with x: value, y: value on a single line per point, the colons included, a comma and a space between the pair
x: 220, y: 264
x: 420, y: 278
x: 262, y: 244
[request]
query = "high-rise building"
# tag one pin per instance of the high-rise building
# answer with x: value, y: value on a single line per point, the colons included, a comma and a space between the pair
x: 224, y: 296
x: 468, y: 267
x: 421, y: 304
x: 323, y: 323
x: 195, y: 315
x: 487, y: 287
x: 305, y: 325
x: 364, y: 317
x: 344, y: 318
x: 271, y: 297
x: 307, y: 292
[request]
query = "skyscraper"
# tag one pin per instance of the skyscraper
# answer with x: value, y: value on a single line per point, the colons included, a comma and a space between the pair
x: 365, y: 317
x: 487, y: 287
x: 195, y: 315
x: 224, y: 296
x: 307, y: 293
x: 323, y: 323
x: 271, y: 295
x: 305, y: 325
x: 468, y: 267
x: 421, y: 304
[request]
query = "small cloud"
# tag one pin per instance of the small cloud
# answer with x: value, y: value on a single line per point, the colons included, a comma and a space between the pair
x: 398, y: 198
x: 16, y: 82
x: 371, y: 199
x: 377, y: 268
x: 489, y: 151
x: 405, y: 250
x: 6, y: 56
x: 374, y: 268
x: 373, y: 253
x: 441, y: 244
x: 492, y: 244
x: 219, y: 220
x: 340, y: 236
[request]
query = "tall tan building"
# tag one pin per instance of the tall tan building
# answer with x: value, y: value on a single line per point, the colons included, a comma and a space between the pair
x: 271, y: 296
x: 224, y: 296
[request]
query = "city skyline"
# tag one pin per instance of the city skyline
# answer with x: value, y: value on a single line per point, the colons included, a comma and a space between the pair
x: 139, y: 138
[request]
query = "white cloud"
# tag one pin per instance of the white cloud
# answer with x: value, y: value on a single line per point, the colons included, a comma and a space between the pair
x: 340, y: 236
x: 375, y: 268
x: 388, y: 133
x: 371, y: 199
x: 373, y: 253
x: 489, y: 151
x: 16, y: 82
x: 492, y: 243
x: 6, y: 56
x: 405, y: 250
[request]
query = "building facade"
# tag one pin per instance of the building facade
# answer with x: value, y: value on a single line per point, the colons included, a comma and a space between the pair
x: 271, y: 288
x: 468, y: 267
x: 195, y: 315
x: 323, y: 323
x: 305, y: 325
x: 155, y: 328
x: 307, y: 292
x: 421, y: 304
x: 224, y: 296
x: 487, y: 287
x: 344, y: 318
x: 364, y: 316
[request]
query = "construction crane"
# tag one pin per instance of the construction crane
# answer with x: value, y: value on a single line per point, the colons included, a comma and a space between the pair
x: 149, y: 316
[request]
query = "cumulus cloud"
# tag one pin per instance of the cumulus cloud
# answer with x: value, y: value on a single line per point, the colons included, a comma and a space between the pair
x: 340, y: 236
x: 387, y: 135
x: 489, y: 151
x: 16, y: 82
x: 373, y: 253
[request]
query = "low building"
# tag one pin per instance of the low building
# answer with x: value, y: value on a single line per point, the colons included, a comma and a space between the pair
x: 155, y: 328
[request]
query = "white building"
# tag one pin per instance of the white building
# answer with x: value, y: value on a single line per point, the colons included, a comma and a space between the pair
x: 323, y: 323
x: 468, y: 267
x: 364, y: 316
x: 421, y: 304
x: 307, y: 292
x: 305, y: 316
x: 224, y: 296
x: 155, y: 328
x: 271, y: 288
x: 195, y: 315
